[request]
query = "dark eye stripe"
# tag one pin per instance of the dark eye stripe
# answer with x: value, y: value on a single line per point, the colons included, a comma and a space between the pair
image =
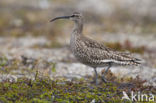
x: 74, y: 16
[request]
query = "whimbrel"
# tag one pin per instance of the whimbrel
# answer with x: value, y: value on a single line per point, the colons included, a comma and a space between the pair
x: 92, y: 53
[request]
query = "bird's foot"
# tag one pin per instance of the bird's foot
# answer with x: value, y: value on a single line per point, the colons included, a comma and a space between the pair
x: 95, y: 81
x: 104, y: 79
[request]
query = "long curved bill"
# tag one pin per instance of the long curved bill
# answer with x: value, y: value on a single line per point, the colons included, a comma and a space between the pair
x: 62, y: 17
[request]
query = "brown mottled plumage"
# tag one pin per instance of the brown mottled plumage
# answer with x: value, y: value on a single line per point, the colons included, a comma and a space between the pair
x: 95, y: 53
x: 92, y: 53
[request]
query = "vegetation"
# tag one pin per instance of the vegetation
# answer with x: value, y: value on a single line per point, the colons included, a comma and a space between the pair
x: 43, y: 89
x: 62, y: 91
x: 127, y: 45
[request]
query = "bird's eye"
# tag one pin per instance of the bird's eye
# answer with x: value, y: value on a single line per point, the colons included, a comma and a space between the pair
x: 73, y: 16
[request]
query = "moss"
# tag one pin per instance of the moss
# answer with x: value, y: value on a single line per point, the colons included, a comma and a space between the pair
x: 47, y: 91
x: 8, y: 65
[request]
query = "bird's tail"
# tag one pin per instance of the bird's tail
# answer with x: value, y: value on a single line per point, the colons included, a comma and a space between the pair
x: 136, y: 62
x: 130, y: 62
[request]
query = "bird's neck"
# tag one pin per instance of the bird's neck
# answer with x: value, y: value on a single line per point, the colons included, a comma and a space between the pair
x: 76, y: 34
x: 78, y: 27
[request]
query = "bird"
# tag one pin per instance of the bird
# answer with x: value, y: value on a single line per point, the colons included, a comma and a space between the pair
x: 93, y: 53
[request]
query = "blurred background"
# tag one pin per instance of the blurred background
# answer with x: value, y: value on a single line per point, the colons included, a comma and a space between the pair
x: 28, y: 38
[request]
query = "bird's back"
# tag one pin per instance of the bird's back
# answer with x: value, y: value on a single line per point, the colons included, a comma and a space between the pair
x: 95, y: 54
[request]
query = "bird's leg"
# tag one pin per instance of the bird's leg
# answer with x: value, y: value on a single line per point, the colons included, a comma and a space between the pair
x: 103, y: 75
x: 96, y: 76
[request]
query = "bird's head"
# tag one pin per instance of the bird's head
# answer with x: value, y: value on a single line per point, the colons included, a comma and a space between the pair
x: 74, y: 17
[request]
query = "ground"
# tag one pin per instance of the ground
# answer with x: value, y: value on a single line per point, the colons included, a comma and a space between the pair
x: 36, y: 64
